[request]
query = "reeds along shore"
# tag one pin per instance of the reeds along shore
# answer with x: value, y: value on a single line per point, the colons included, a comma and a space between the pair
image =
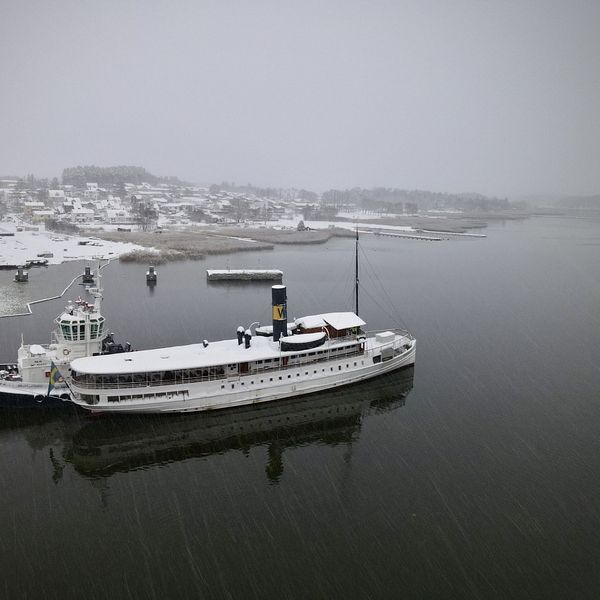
x: 196, y: 244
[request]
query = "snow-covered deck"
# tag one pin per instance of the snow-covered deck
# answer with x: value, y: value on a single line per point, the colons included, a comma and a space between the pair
x: 192, y: 356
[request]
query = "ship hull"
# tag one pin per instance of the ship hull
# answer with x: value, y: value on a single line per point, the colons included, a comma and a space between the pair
x: 14, y: 396
x: 252, y: 388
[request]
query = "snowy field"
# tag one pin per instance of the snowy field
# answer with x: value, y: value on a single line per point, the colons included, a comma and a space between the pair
x: 27, y: 245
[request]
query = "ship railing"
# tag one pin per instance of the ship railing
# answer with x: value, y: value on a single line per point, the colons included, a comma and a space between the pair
x: 280, y: 365
x: 124, y: 384
x: 147, y: 380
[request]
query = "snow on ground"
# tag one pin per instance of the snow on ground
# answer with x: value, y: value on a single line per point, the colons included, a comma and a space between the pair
x: 27, y: 245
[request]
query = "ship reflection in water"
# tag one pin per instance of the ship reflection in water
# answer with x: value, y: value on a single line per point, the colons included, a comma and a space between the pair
x: 117, y: 444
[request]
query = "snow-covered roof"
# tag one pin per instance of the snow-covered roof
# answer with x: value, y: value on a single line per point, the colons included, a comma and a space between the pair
x: 343, y: 320
x: 310, y: 322
x: 304, y: 338
x: 338, y: 320
x: 192, y: 356
x: 36, y: 349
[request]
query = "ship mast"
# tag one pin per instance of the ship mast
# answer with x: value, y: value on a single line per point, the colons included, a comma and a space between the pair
x: 356, y: 270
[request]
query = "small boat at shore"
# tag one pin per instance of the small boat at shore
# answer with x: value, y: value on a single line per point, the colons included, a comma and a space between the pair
x: 324, y: 351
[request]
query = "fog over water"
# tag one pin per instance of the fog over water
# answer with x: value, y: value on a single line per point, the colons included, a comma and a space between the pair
x: 495, y: 97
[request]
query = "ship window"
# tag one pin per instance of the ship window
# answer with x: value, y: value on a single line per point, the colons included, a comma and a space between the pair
x: 270, y: 379
x: 232, y: 385
x: 289, y: 376
x: 280, y: 379
x: 113, y: 398
x: 125, y: 379
x: 222, y: 387
x: 339, y: 367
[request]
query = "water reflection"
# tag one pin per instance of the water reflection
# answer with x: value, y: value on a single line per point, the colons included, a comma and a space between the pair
x: 117, y: 444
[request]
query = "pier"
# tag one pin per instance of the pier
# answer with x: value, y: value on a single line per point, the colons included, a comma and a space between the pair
x: 453, y: 233
x: 244, y: 275
x: 409, y: 236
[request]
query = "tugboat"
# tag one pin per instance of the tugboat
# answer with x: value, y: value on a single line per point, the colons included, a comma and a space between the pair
x: 80, y: 332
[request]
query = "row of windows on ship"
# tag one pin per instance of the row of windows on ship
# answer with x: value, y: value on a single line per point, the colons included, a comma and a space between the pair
x: 184, y: 394
x: 207, y: 373
x: 74, y: 331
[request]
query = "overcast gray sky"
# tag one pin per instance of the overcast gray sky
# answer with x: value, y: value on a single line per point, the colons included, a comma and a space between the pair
x: 498, y: 97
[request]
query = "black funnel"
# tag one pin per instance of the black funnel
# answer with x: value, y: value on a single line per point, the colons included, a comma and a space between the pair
x: 279, y: 302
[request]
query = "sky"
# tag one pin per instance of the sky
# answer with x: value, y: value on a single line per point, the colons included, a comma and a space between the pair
x: 497, y: 97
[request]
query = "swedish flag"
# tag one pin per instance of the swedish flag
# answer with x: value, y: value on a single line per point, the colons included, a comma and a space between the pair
x: 55, y: 377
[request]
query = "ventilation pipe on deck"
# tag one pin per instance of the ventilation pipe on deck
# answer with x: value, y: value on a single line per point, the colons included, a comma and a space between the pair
x: 279, y: 302
x: 240, y: 335
x: 247, y: 338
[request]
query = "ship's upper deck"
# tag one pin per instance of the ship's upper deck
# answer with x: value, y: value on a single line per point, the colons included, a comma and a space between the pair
x: 192, y: 356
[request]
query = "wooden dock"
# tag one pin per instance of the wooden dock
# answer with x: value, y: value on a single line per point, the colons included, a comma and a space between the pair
x: 244, y: 275
x: 410, y: 236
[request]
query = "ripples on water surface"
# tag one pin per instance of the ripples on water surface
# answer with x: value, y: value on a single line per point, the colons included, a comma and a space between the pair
x: 473, y: 476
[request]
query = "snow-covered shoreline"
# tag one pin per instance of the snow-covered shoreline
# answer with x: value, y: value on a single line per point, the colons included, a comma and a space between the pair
x: 27, y: 245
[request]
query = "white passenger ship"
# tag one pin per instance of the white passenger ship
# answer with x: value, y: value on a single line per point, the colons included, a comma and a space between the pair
x: 323, y: 351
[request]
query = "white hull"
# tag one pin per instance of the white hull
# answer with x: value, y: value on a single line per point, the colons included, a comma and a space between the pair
x: 251, y: 388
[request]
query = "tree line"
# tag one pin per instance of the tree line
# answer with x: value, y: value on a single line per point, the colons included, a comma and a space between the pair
x: 385, y: 198
x: 109, y: 176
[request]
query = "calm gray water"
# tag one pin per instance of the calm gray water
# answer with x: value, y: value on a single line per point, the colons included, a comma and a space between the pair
x: 475, y: 476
